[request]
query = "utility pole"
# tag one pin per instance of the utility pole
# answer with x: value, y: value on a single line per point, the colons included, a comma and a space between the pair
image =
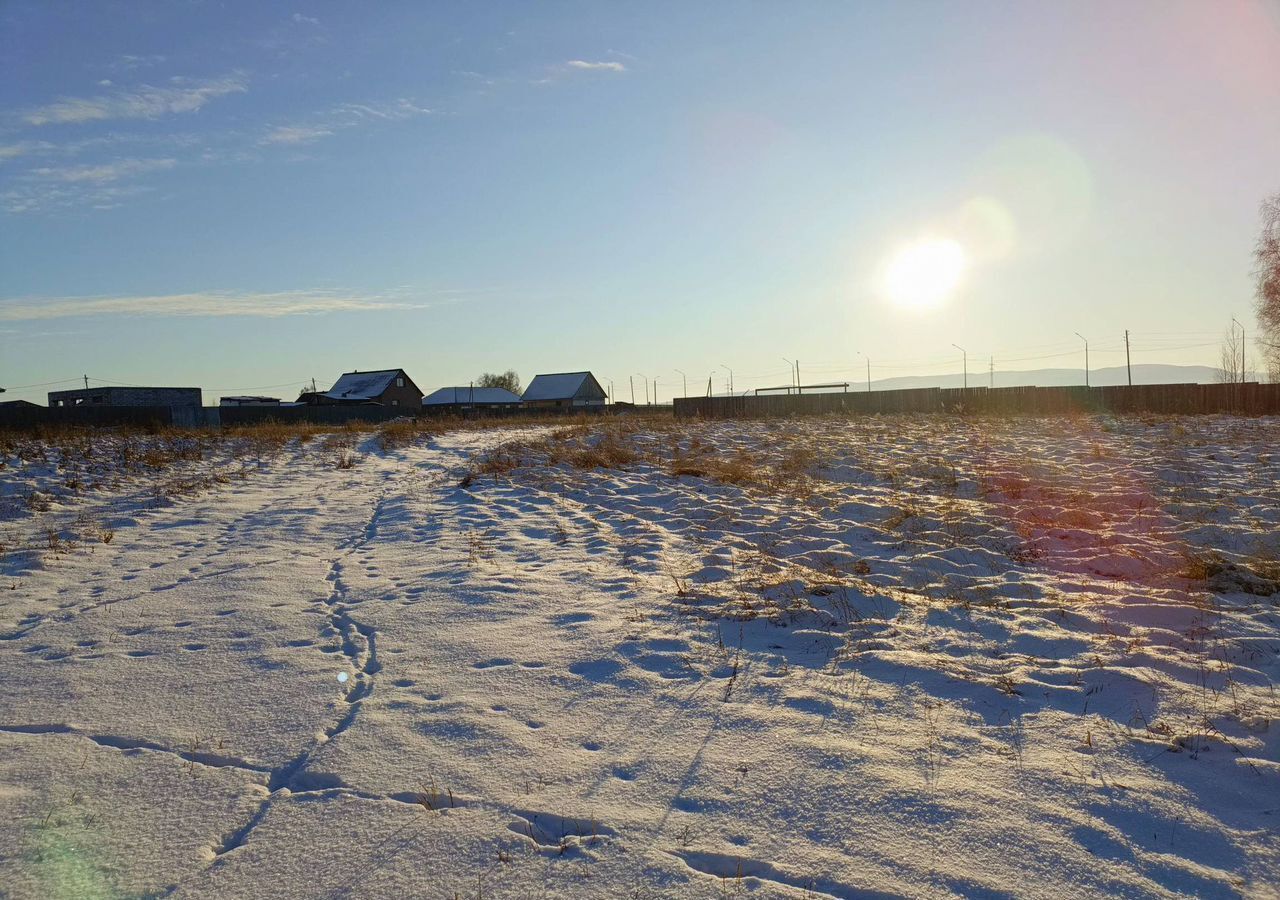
x: 646, y: 388
x: 655, y: 390
x: 610, y: 380
x: 632, y: 380
x: 730, y: 371
x: 992, y: 385
x: 86, y: 378
x: 797, y: 376
x: 684, y: 380
x: 964, y: 355
x: 1128, y: 366
x: 1086, y: 357
x: 792, y: 366
x: 709, y: 377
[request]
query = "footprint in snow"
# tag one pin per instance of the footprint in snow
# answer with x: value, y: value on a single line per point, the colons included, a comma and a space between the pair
x: 596, y: 669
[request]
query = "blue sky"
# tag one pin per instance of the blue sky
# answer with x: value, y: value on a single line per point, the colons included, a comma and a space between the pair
x: 244, y: 196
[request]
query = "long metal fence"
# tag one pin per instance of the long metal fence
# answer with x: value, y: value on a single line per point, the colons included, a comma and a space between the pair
x: 1188, y: 399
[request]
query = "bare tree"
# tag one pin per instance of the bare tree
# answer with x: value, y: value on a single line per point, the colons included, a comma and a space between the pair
x: 508, y: 379
x: 1267, y: 299
x: 1230, y: 363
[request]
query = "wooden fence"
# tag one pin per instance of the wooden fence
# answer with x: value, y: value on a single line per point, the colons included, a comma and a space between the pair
x: 1242, y: 399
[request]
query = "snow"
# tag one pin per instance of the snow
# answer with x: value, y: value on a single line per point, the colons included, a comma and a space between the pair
x: 918, y: 656
x: 555, y: 387
x: 469, y: 395
x: 362, y: 385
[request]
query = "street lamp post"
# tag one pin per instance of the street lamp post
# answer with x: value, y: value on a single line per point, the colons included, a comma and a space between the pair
x: 684, y: 380
x: 646, y: 389
x: 1086, y: 357
x: 964, y: 355
x: 730, y: 371
x: 792, y: 366
x: 868, y: 359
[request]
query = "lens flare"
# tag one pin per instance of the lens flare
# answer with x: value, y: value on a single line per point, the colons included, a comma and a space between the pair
x: 924, y: 274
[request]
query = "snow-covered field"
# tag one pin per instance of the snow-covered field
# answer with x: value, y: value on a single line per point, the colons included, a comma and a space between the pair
x: 894, y: 657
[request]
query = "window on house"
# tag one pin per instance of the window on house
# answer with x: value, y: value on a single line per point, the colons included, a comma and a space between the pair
x: 395, y: 402
x: 399, y: 382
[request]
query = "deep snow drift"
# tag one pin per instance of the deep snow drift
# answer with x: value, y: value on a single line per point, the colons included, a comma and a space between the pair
x: 816, y: 658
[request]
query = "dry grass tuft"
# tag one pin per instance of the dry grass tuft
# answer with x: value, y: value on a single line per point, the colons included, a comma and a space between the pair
x: 740, y: 468
x: 403, y: 432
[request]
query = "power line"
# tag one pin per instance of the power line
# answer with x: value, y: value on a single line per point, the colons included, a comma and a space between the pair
x: 18, y: 387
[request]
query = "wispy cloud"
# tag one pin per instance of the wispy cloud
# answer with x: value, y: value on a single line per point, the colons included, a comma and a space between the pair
x: 347, y: 115
x: 560, y: 71
x: 130, y: 61
x: 216, y: 303
x: 50, y: 196
x: 146, y: 102
x: 99, y: 174
x: 402, y: 108
x: 305, y: 20
x: 22, y: 148
x: 65, y: 187
x: 596, y: 66
x: 296, y: 134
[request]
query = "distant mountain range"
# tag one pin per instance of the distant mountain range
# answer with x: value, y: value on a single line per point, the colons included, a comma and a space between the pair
x: 1142, y: 374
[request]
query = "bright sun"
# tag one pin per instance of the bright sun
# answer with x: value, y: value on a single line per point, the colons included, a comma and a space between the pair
x: 924, y: 274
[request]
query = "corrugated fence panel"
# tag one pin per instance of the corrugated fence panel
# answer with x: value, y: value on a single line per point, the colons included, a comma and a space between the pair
x: 1187, y: 399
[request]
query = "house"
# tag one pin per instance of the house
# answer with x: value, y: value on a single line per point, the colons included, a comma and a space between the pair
x: 126, y: 396
x: 19, y: 404
x: 565, y: 389
x: 249, y: 401
x: 469, y: 398
x: 383, y: 387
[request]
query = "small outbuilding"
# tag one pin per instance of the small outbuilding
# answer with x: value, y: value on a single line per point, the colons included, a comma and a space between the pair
x: 569, y: 389
x: 493, y: 398
x: 383, y: 387
x: 249, y: 401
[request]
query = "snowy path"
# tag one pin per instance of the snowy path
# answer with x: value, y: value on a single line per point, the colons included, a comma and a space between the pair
x: 528, y: 708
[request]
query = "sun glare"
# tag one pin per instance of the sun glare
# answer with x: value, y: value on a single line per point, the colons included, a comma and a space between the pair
x: 924, y: 274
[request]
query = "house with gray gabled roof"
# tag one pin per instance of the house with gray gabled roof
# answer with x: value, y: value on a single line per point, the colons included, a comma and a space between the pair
x: 565, y: 389
x: 382, y: 387
x: 466, y: 397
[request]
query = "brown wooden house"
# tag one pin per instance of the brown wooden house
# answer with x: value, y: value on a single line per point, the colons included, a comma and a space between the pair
x: 384, y: 387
